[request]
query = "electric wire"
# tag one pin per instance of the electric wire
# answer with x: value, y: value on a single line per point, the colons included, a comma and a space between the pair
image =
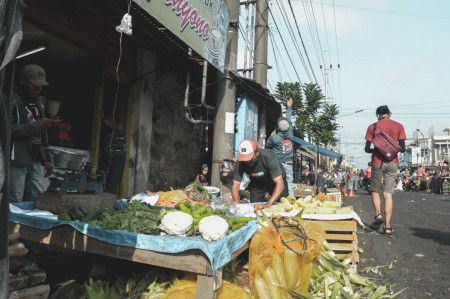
x: 291, y: 32
x: 389, y: 12
x: 311, y: 32
x: 301, y: 39
x: 282, y: 40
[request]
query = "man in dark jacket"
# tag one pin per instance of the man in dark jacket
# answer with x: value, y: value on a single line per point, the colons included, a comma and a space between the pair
x: 28, y: 135
x: 281, y: 143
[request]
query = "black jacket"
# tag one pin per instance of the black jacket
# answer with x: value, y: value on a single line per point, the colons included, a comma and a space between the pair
x: 22, y: 132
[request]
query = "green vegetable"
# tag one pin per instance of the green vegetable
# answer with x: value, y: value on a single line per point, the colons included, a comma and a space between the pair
x: 64, y: 217
x: 236, y: 226
x: 197, y: 206
x: 78, y: 212
x: 135, y: 218
x: 185, y: 209
x: 201, y: 210
x: 187, y: 203
x: 242, y: 219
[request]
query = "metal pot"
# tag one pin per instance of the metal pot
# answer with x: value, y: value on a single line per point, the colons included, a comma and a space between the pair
x: 63, y: 158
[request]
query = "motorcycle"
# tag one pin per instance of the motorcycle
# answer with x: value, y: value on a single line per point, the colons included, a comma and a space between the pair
x: 366, y: 185
x: 411, y: 185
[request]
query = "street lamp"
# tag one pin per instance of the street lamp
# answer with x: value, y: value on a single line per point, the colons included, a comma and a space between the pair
x: 357, y: 111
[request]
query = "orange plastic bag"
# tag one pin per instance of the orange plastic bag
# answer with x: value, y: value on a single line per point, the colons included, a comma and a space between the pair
x: 174, y: 196
x: 186, y: 288
x: 281, y: 257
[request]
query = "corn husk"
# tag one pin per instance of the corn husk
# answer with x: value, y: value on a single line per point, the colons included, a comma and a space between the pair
x: 292, y: 269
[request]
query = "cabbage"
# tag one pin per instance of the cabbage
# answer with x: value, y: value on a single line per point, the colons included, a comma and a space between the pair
x: 213, y: 228
x: 176, y: 223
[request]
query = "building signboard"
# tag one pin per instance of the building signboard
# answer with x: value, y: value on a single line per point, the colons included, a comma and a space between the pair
x: 201, y: 24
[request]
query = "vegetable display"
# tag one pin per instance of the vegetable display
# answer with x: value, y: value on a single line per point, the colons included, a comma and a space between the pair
x: 176, y: 223
x: 213, y: 228
x: 135, y: 217
x: 310, y: 205
x: 197, y: 192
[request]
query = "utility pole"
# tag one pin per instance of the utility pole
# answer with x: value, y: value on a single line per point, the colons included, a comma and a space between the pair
x: 223, y: 144
x: 325, y: 72
x: 260, y: 62
x: 261, y: 36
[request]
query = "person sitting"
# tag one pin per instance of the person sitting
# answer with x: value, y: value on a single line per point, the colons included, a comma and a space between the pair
x: 201, y: 177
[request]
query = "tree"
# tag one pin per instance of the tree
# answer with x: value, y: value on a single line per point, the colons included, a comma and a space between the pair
x: 288, y: 90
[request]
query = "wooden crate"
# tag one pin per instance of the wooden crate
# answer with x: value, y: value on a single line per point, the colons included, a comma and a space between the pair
x: 341, y: 235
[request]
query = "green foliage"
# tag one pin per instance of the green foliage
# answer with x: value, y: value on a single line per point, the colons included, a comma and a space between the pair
x: 135, y: 218
x: 313, y: 117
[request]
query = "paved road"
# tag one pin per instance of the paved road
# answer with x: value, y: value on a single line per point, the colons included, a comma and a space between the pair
x: 421, y: 247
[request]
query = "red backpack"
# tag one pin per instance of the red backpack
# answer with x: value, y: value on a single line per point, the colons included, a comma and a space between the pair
x: 385, y: 144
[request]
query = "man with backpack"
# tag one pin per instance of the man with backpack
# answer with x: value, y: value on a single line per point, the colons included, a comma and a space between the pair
x: 388, y: 138
x: 281, y: 143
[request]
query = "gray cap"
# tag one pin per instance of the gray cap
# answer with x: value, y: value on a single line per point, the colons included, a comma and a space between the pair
x: 283, y: 124
x: 35, y: 74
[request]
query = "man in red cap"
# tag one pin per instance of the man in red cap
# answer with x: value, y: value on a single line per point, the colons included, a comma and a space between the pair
x: 265, y: 171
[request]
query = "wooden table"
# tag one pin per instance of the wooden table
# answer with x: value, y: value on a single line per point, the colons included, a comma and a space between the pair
x: 194, y: 261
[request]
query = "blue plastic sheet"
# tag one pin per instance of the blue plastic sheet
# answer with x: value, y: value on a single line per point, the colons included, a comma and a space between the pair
x: 218, y: 252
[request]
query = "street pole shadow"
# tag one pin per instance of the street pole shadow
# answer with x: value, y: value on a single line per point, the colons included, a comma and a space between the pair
x: 432, y: 234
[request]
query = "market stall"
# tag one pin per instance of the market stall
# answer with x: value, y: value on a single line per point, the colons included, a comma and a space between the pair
x: 193, y: 254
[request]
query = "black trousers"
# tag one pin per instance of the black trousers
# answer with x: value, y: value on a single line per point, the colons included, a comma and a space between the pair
x: 258, y: 190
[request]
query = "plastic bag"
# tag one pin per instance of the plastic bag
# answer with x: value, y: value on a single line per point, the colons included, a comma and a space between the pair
x: 172, y: 196
x: 187, y: 288
x: 281, y: 257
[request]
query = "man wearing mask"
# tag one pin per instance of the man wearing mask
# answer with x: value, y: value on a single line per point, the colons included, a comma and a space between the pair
x: 281, y: 143
x: 28, y: 135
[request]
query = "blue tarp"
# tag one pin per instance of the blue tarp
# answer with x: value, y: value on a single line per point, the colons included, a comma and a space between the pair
x: 218, y: 252
x: 320, y: 150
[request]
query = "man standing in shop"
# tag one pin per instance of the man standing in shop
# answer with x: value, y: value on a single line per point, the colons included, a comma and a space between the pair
x: 384, y: 171
x: 29, y: 135
x: 281, y: 143
x: 265, y: 171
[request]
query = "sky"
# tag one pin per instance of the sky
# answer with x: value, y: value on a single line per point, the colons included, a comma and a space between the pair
x: 393, y: 53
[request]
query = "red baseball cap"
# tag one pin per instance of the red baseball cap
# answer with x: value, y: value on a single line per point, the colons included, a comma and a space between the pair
x: 247, y: 149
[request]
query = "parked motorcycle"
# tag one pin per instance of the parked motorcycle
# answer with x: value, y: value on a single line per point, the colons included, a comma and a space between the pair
x: 411, y: 185
x: 366, y: 185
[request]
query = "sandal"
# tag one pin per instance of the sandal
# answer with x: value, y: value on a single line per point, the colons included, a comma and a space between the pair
x: 377, y: 222
x: 388, y: 231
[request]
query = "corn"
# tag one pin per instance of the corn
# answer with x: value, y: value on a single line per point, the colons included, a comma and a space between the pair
x: 273, y: 284
x: 278, y: 266
x: 331, y: 204
x: 379, y: 291
x: 262, y: 290
x: 291, y: 269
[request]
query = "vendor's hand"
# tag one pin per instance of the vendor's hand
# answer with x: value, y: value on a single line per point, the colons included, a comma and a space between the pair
x: 289, y: 102
x: 273, y: 133
x: 47, y: 165
x: 46, y: 123
x: 258, y: 207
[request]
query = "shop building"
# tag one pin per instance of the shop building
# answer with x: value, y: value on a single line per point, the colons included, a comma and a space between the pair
x: 145, y: 76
